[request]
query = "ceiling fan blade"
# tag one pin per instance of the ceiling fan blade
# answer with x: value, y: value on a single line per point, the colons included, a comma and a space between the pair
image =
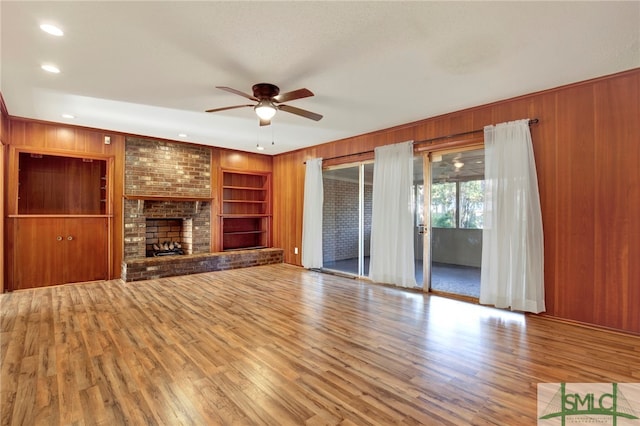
x: 290, y: 96
x: 237, y: 92
x: 265, y: 122
x: 300, y: 112
x: 225, y: 108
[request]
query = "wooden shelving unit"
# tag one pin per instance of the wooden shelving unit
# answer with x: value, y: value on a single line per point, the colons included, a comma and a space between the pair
x: 245, y: 218
x: 59, y: 222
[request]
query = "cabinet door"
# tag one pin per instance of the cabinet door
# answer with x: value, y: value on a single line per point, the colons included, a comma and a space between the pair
x: 85, y: 242
x: 50, y: 251
x: 38, y: 253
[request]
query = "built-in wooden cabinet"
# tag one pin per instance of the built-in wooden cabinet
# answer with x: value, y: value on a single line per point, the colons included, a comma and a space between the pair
x: 245, y: 217
x: 51, y: 184
x: 59, y: 227
x: 58, y: 250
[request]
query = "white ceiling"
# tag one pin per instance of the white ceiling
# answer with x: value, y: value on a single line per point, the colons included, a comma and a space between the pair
x: 150, y: 68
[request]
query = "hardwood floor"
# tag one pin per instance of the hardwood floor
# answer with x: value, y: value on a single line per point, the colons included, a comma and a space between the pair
x: 279, y: 345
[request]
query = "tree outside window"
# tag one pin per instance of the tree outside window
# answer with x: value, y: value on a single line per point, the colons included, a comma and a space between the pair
x: 443, y: 205
x: 471, y: 204
x: 457, y: 204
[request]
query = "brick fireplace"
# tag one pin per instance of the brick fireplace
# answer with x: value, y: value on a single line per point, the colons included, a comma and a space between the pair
x: 149, y: 221
x: 168, y: 196
x: 168, y: 186
x: 168, y: 236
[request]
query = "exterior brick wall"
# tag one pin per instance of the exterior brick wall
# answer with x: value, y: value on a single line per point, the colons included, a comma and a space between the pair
x: 170, y: 266
x: 164, y: 168
x: 340, y: 219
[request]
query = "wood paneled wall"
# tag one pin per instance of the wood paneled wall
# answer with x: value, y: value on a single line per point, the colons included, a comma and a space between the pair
x: 4, y: 136
x: 58, y: 139
x: 587, y: 149
x: 52, y: 138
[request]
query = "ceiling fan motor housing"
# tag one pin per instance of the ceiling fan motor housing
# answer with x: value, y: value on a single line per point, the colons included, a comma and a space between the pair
x: 265, y: 90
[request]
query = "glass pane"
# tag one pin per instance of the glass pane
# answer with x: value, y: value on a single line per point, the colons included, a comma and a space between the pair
x: 471, y: 204
x: 443, y: 205
x: 366, y: 216
x: 456, y: 234
x: 419, y: 225
x: 340, y: 222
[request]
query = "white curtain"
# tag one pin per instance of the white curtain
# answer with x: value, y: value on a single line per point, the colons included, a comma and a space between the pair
x: 312, y: 215
x: 392, y: 258
x: 512, y: 248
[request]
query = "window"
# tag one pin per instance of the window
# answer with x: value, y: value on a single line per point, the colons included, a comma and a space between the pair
x: 418, y: 204
x: 443, y: 205
x: 471, y: 204
x: 457, y: 204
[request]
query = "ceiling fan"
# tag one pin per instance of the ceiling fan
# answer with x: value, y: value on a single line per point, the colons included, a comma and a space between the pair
x: 269, y: 101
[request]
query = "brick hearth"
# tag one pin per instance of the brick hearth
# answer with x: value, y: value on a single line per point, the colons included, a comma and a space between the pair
x: 167, y: 180
x: 171, y: 266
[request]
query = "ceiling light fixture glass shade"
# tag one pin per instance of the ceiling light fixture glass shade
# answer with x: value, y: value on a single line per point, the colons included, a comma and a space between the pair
x: 265, y: 109
x: 52, y: 29
x: 50, y: 68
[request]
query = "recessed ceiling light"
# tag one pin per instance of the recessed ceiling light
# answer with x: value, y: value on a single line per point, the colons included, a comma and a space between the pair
x: 182, y: 135
x: 260, y: 147
x: 51, y: 29
x: 50, y: 68
x: 68, y: 116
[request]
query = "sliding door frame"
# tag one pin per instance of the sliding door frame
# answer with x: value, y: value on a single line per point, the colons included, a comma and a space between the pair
x: 427, y: 157
x: 361, y: 213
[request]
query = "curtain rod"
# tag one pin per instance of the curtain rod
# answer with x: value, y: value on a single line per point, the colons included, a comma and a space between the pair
x: 532, y: 121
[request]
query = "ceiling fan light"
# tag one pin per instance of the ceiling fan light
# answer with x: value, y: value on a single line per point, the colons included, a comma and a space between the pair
x: 265, y: 109
x: 52, y: 29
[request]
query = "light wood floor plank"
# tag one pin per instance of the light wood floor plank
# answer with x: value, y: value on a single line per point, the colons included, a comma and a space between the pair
x: 278, y: 345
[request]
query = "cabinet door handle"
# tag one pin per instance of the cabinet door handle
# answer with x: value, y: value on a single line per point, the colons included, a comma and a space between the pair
x: 69, y: 238
x: 59, y: 238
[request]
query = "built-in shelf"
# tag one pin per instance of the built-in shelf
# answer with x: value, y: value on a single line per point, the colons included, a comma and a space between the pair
x: 246, y: 248
x: 248, y: 188
x: 246, y: 232
x: 55, y: 184
x: 245, y: 209
x: 245, y: 215
x: 244, y: 201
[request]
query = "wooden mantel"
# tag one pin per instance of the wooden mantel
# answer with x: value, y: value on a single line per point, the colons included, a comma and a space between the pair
x: 165, y: 198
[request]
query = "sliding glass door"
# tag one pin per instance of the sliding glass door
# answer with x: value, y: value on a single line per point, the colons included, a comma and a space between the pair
x: 346, y: 220
x: 447, y: 188
x: 456, y: 202
x: 421, y: 218
x: 448, y: 232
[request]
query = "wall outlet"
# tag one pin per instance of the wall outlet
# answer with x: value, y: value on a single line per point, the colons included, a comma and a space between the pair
x: 295, y: 250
